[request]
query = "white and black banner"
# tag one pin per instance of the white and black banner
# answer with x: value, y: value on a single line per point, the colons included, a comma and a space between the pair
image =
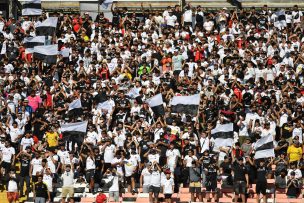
x: 31, y: 8
x: 223, y: 135
x: 186, y: 104
x: 30, y: 42
x: 157, y: 105
x: 80, y: 127
x: 264, y: 147
x: 47, y: 27
x: 47, y: 54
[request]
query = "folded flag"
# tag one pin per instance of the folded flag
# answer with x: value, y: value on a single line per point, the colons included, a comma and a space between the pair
x: 76, y: 104
x: 30, y: 42
x: 47, y: 27
x: 31, y: 8
x: 264, y: 147
x: 185, y: 104
x: 157, y: 105
x: 105, y: 4
x: 78, y: 127
x: 223, y: 135
x: 47, y: 54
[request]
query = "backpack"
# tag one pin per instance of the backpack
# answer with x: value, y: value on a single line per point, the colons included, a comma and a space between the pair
x: 101, y: 198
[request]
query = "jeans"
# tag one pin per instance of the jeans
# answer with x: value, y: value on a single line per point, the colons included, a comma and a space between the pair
x: 27, y: 182
x: 39, y: 200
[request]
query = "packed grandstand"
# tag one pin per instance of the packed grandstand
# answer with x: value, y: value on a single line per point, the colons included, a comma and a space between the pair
x: 184, y: 104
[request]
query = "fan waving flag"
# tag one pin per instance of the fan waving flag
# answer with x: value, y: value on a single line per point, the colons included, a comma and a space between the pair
x: 107, y: 105
x: 157, y: 105
x: 47, y: 54
x: 31, y: 8
x: 80, y: 127
x: 47, y: 27
x: 185, y: 104
x: 31, y: 42
x: 264, y: 147
x: 223, y: 135
x: 76, y: 104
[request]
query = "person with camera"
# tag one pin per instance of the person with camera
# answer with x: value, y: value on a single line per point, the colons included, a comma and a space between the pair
x: 211, y: 172
x: 155, y: 183
x: 113, y: 183
x: 293, y: 186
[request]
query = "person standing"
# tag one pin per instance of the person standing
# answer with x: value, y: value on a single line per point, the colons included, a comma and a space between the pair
x: 195, y: 182
x: 241, y: 179
x: 155, y: 183
x: 168, y: 187
x: 12, y: 188
x: 68, y: 183
x: 25, y: 161
x: 41, y: 193
x: 261, y: 184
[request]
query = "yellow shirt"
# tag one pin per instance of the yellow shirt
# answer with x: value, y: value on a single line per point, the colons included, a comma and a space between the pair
x: 52, y: 139
x: 295, y: 153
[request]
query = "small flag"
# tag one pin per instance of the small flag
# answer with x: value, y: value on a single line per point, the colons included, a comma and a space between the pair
x: 76, y: 104
x: 31, y: 42
x: 157, y: 105
x: 264, y: 147
x: 105, y: 4
x: 223, y: 135
x: 47, y: 27
x: 31, y: 8
x: 185, y: 104
x: 133, y: 93
x: 47, y: 54
x: 107, y: 105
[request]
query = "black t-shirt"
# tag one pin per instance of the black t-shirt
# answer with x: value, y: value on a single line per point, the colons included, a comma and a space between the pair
x: 41, y: 189
x: 144, y: 146
x: 187, y: 148
x: 239, y: 172
x: 211, y: 175
x: 284, y: 149
x: 226, y: 168
x: 24, y: 166
x: 285, y: 131
x: 206, y: 161
x: 98, y: 159
x: 261, y: 174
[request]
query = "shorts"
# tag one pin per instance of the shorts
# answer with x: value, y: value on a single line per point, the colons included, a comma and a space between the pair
x: 187, y: 24
x: 211, y: 186
x: 129, y: 179
x: 240, y: 187
x: 154, y: 190
x: 195, y: 187
x: 90, y: 175
x: 67, y: 191
x: 114, y: 195
x: 12, y: 196
x: 168, y: 196
x: 146, y: 188
x: 261, y: 188
x: 6, y: 165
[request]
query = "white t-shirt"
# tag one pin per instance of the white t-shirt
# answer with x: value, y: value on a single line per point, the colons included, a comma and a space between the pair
x: 64, y: 155
x: 168, y: 186
x: 67, y: 179
x: 171, y: 20
x: 109, y: 153
x: 146, y: 176
x: 189, y: 160
x: 155, y: 179
x: 7, y: 154
x: 188, y: 16
x: 90, y: 163
x: 12, y: 186
x: 172, y: 155
x: 51, y: 164
x: 153, y: 157
x: 115, y: 185
x: 25, y: 142
x: 37, y: 165
x: 48, y: 180
x: 130, y: 166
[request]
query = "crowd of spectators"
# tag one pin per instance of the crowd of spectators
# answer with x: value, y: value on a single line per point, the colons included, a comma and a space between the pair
x: 248, y: 62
